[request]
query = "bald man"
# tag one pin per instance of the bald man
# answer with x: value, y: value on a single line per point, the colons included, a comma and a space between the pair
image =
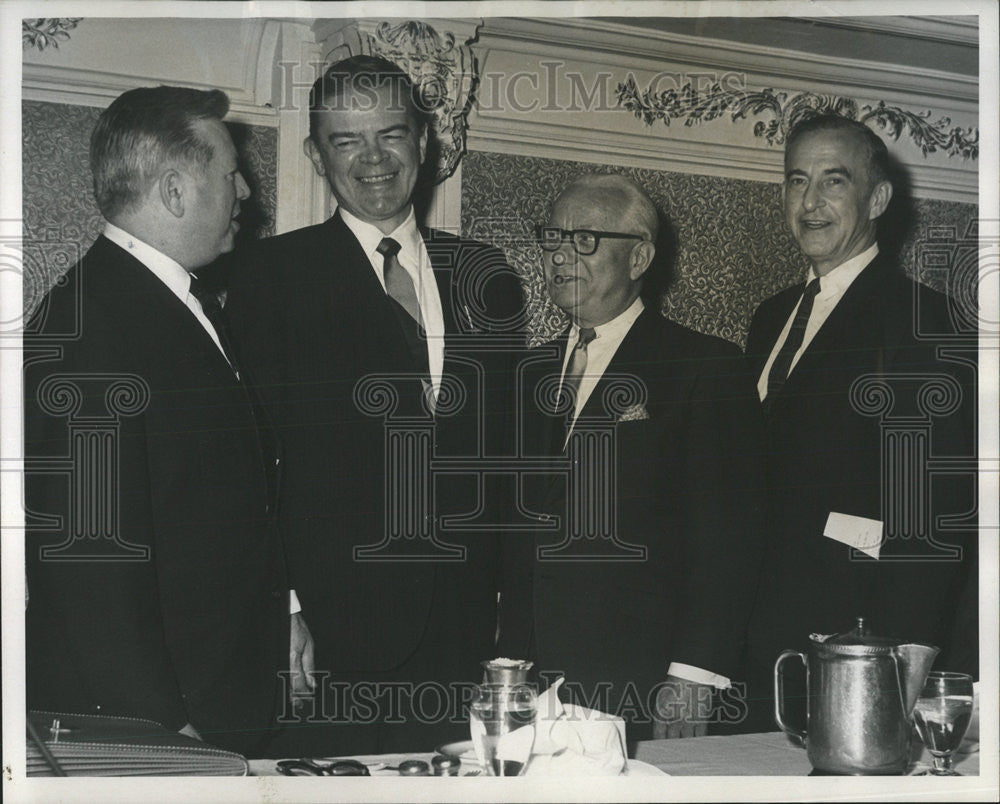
x: 667, y: 597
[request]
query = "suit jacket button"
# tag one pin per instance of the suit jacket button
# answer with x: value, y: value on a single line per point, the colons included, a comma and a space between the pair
x: 276, y: 594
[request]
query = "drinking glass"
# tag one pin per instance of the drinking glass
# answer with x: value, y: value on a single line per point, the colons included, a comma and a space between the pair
x: 941, y: 716
x: 502, y: 721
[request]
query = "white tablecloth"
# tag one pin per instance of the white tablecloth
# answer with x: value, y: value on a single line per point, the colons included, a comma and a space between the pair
x: 770, y: 754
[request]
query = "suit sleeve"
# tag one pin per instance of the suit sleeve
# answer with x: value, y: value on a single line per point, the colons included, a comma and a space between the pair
x: 724, y: 476
x: 93, y: 626
x: 945, y: 612
x: 252, y: 306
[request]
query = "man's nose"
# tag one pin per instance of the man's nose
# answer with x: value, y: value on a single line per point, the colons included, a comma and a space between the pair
x: 812, y: 197
x: 564, y: 254
x: 242, y: 188
x: 373, y: 153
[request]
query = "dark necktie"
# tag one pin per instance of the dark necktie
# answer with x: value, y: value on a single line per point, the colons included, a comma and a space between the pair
x: 403, y: 300
x: 783, y: 362
x: 574, y: 374
x: 219, y: 320
x: 266, y: 437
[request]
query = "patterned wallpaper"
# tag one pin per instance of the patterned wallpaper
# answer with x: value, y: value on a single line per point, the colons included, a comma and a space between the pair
x: 61, y: 220
x: 730, y: 244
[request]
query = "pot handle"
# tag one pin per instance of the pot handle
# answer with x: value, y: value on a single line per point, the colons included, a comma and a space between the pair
x: 779, y: 693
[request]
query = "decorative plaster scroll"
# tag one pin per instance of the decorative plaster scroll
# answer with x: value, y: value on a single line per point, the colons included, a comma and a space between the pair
x: 441, y: 66
x: 43, y: 32
x: 693, y: 107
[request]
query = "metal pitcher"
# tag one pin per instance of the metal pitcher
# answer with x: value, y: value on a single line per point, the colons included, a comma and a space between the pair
x: 861, y: 693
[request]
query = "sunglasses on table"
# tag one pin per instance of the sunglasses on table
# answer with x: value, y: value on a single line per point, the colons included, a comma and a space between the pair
x: 585, y: 241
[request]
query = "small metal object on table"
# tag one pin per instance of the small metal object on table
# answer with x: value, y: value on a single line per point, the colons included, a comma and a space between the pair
x: 768, y: 754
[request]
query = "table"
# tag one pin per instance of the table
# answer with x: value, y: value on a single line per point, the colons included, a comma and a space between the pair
x: 770, y: 754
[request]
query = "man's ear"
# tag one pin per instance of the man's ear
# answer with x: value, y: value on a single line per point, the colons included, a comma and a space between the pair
x: 171, y: 186
x: 640, y: 259
x: 314, y: 155
x: 879, y: 199
x: 423, y: 144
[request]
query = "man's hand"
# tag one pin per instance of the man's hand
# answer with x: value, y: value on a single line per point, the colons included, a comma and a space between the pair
x: 300, y: 659
x: 190, y: 731
x: 682, y: 709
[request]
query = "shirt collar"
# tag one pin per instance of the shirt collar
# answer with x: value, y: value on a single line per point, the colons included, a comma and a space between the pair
x: 167, y: 270
x: 840, y: 278
x: 616, y: 326
x: 369, y: 235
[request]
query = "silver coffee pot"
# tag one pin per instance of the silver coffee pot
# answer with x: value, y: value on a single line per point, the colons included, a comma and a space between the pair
x: 861, y: 693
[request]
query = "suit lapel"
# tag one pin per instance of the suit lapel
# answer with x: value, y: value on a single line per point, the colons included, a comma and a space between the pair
x: 771, y: 325
x: 842, y: 328
x: 130, y: 278
x: 357, y: 299
x: 346, y: 257
x: 630, y: 358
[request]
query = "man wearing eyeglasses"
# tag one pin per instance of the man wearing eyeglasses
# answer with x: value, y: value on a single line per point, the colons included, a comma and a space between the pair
x: 645, y: 575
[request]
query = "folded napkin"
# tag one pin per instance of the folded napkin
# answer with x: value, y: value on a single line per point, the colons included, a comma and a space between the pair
x: 573, y: 740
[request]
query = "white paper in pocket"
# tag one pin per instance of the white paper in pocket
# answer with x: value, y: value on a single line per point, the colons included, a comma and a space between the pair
x: 856, y: 531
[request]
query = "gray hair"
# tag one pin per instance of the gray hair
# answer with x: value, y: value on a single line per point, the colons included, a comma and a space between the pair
x: 636, y: 208
x: 876, y: 154
x: 141, y: 131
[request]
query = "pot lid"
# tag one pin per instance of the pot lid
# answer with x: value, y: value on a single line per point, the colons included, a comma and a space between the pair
x: 857, y: 641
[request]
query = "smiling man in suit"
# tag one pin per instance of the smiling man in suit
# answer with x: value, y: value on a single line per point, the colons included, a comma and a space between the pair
x: 668, y: 600
x: 156, y: 572
x: 837, y: 549
x: 370, y: 293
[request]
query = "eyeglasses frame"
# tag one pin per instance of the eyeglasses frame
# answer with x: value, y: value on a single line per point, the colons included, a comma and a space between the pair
x: 569, y: 234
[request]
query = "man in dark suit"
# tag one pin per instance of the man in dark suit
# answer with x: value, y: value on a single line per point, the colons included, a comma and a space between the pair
x: 156, y: 573
x: 646, y: 577
x: 395, y: 608
x: 846, y: 536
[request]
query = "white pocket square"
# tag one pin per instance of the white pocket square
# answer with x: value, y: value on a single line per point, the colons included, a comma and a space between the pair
x: 634, y: 414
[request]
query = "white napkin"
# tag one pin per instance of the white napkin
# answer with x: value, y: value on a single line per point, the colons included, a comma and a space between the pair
x: 573, y: 740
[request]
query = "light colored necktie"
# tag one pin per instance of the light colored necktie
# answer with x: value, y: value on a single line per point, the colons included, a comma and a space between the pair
x: 398, y: 283
x: 578, y: 362
x: 399, y: 288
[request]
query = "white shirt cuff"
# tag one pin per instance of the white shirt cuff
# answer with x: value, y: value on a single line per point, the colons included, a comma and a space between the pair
x: 699, y: 676
x: 294, y: 607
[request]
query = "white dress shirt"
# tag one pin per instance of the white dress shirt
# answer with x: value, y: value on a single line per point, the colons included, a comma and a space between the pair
x: 607, y: 339
x: 415, y: 261
x: 832, y: 288
x: 168, y: 271
x: 600, y: 351
x: 171, y: 274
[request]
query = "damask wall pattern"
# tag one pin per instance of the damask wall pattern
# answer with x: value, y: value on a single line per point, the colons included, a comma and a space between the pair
x: 61, y: 220
x: 732, y: 249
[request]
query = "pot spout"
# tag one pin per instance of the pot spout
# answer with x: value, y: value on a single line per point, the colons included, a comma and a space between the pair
x: 913, y: 663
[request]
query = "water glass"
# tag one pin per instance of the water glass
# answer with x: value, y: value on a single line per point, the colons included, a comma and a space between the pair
x: 502, y: 722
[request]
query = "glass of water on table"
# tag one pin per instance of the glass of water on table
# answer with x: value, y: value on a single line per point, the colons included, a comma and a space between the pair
x: 502, y: 718
x: 942, y: 715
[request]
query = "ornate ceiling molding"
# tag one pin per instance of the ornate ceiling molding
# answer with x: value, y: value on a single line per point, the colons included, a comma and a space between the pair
x: 439, y: 61
x: 786, y: 110
x: 43, y: 32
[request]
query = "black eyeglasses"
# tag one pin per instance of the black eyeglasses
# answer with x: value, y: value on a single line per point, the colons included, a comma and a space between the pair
x: 585, y: 241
